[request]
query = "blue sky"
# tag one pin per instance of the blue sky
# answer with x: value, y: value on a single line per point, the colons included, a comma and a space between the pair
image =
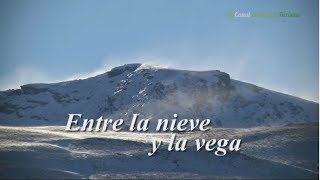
x: 49, y: 41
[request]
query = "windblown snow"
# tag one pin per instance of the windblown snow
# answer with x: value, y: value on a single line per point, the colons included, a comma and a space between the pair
x: 155, y: 92
x: 279, y: 132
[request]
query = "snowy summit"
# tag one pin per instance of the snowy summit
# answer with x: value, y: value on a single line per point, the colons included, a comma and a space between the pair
x: 155, y: 92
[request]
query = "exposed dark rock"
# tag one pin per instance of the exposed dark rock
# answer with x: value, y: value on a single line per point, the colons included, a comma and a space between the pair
x: 121, y: 69
x: 32, y: 89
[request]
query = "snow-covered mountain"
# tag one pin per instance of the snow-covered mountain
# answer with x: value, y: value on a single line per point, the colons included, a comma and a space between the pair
x: 155, y: 92
x: 288, y: 151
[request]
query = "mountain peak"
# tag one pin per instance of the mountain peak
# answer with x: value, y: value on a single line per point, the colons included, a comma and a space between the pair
x: 120, y: 69
x: 132, y: 67
x: 157, y: 92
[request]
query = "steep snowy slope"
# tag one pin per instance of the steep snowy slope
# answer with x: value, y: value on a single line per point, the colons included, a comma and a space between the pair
x: 155, y: 92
